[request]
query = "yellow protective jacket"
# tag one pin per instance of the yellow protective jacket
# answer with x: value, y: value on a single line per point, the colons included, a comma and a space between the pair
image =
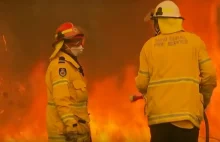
x: 175, y: 70
x: 67, y: 96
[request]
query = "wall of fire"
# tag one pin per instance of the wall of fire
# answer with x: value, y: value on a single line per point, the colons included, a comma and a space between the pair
x: 112, y: 27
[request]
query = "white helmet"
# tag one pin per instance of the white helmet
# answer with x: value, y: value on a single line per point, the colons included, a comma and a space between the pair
x: 167, y: 9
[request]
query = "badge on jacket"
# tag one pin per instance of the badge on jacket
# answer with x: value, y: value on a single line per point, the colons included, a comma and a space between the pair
x: 62, y: 72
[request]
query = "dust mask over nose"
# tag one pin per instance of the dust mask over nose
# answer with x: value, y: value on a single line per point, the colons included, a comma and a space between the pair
x: 76, y: 51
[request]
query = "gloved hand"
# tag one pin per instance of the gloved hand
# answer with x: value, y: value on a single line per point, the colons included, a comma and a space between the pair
x: 71, y: 137
x: 78, y: 129
x: 83, y: 128
x: 71, y: 133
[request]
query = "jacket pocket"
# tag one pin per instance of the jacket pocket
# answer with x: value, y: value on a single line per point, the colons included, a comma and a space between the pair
x: 79, y: 85
x: 80, y: 91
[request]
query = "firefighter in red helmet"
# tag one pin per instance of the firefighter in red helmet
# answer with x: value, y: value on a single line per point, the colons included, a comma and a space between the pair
x: 67, y: 113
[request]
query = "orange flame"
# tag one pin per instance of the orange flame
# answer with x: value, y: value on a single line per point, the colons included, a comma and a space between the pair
x: 113, y: 117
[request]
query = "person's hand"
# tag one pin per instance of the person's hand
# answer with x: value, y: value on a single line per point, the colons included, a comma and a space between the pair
x: 83, y: 128
x: 71, y: 133
x: 71, y: 136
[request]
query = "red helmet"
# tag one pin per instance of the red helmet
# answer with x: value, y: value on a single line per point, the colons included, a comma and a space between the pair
x: 69, y: 33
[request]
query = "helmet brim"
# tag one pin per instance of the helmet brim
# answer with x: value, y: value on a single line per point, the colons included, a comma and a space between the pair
x: 156, y: 17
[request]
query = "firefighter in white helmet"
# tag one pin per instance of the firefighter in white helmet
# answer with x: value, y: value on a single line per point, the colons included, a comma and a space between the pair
x: 176, y: 76
x: 67, y: 112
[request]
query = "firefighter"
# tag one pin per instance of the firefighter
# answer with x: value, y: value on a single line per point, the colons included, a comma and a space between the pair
x: 176, y: 76
x: 67, y: 114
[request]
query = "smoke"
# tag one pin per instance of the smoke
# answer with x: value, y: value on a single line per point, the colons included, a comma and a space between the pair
x: 116, y: 32
x: 115, y: 35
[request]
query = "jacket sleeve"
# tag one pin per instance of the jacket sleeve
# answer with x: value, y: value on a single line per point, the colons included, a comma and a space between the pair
x: 142, y: 79
x: 207, y: 74
x: 60, y: 79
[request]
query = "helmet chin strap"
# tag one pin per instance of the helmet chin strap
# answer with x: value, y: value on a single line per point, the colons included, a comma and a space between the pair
x: 156, y: 27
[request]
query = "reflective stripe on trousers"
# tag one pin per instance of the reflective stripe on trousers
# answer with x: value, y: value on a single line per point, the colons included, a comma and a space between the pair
x: 75, y: 105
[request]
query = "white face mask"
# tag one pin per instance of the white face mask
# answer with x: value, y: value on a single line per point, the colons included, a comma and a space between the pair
x: 76, y: 51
